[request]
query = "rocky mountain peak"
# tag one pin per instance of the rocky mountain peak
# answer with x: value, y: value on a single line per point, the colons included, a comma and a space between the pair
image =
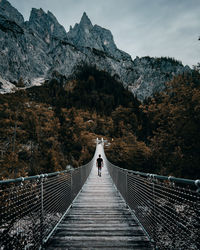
x: 36, y: 14
x: 85, y: 35
x: 85, y: 21
x: 11, y: 13
x: 46, y: 25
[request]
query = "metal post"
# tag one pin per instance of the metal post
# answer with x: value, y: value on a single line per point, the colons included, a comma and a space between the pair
x: 42, y: 211
x: 154, y: 209
x: 126, y: 196
x: 71, y: 186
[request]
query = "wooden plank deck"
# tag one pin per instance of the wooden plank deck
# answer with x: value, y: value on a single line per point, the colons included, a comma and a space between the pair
x: 99, y: 219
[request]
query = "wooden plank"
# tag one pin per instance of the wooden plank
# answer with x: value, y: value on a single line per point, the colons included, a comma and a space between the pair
x: 100, y: 242
x: 99, y: 248
x: 91, y: 232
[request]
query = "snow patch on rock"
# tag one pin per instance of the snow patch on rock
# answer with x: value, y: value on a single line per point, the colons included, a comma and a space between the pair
x: 105, y: 42
x: 37, y: 81
x: 6, y: 86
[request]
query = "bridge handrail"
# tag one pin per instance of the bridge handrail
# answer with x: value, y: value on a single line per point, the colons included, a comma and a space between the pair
x: 28, y: 178
x: 31, y: 207
x: 161, y: 177
x: 167, y: 207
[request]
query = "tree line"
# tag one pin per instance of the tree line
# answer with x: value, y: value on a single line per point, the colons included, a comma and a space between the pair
x: 46, y: 128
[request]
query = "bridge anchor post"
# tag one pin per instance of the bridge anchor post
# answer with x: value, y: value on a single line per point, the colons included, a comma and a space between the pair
x: 42, y: 211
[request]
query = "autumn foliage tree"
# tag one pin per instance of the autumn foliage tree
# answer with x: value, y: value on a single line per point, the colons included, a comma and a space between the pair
x: 174, y: 119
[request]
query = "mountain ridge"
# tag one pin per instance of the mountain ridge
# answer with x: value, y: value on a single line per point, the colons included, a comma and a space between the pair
x: 34, y: 49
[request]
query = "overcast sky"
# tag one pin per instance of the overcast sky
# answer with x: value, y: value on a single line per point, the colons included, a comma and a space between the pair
x: 140, y: 27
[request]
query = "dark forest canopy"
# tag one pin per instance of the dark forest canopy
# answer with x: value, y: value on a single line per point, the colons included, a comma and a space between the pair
x: 43, y: 129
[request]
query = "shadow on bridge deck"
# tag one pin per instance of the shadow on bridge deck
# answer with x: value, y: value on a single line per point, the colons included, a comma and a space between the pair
x: 99, y: 219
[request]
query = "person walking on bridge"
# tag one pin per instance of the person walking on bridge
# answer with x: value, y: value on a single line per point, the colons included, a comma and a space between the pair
x: 99, y: 165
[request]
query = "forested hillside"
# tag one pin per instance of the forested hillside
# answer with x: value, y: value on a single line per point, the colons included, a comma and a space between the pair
x: 46, y: 128
x: 173, y: 134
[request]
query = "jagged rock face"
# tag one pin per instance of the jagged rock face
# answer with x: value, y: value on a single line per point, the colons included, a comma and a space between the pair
x: 153, y: 73
x: 22, y: 54
x: 87, y: 35
x: 34, y: 49
x: 46, y: 24
x: 23, y: 49
x: 10, y: 13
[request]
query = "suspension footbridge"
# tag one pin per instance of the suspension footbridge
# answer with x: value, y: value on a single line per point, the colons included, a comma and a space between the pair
x: 99, y: 218
x: 77, y: 209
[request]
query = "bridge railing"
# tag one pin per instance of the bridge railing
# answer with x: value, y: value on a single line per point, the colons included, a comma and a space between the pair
x: 31, y: 207
x: 168, y: 208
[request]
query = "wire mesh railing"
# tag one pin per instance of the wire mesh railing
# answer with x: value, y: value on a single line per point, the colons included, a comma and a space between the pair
x: 168, y: 208
x: 31, y: 207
